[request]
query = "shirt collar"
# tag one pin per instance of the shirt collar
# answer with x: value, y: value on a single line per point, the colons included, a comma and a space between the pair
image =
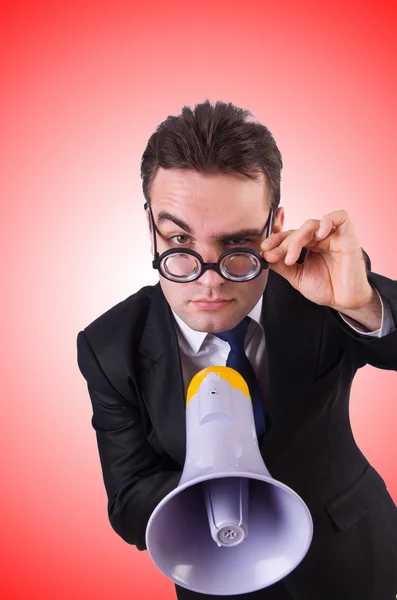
x: 195, y: 339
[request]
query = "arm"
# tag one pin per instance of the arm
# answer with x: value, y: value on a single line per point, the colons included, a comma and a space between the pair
x: 385, y: 320
x: 380, y: 352
x: 136, y: 478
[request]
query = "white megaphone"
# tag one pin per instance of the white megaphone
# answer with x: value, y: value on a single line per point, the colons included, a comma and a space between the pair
x: 229, y: 527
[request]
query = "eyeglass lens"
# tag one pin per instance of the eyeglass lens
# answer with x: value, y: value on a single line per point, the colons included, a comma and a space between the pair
x: 240, y: 265
x: 184, y: 267
x: 181, y: 266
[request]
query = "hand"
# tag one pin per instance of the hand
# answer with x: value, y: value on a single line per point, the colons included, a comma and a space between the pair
x: 333, y: 273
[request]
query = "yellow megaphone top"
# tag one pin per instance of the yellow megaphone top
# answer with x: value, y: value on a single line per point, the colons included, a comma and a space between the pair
x: 232, y: 376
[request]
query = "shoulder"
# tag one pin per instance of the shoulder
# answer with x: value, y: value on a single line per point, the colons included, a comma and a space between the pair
x: 112, y: 341
x: 125, y: 313
x: 119, y: 330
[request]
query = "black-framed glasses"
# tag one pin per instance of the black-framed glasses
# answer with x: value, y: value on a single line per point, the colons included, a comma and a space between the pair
x: 183, y: 265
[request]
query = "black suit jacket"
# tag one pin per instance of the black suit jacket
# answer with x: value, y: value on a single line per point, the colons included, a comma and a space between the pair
x: 130, y: 359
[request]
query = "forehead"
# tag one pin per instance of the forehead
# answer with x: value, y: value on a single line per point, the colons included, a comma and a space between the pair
x: 221, y: 198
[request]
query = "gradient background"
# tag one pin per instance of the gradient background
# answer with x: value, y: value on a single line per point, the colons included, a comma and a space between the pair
x: 83, y: 85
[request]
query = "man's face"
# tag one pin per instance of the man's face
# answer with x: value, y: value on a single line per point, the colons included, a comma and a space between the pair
x: 198, y: 211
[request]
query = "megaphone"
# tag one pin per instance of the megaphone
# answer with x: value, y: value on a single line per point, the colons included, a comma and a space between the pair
x: 228, y: 527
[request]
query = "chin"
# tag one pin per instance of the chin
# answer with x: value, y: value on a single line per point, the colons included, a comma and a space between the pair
x: 213, y: 323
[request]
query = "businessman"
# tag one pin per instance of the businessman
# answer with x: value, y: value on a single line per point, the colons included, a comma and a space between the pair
x: 211, y: 181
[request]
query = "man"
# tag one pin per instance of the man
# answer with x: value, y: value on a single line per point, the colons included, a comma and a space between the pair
x: 211, y: 179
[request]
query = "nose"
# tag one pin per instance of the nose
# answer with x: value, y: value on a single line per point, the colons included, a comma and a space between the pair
x: 210, y: 279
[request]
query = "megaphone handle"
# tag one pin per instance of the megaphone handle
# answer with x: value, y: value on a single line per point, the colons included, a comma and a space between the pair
x: 226, y: 500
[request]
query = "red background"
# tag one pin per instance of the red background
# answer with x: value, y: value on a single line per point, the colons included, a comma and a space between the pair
x: 83, y: 85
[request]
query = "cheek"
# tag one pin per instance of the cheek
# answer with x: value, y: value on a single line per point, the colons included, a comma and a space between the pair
x: 175, y: 293
x: 254, y: 289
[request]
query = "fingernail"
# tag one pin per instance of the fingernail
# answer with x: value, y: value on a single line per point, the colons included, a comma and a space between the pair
x: 320, y: 232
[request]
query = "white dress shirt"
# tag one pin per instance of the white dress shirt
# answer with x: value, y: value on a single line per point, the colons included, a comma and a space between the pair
x: 199, y: 349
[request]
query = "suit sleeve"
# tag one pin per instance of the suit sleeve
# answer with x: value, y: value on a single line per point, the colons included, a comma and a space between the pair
x: 387, y: 323
x: 380, y: 352
x: 136, y: 478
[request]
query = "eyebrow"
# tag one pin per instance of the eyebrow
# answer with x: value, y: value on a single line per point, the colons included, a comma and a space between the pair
x: 223, y: 237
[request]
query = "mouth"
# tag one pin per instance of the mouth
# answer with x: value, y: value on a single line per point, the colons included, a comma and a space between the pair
x: 211, y: 304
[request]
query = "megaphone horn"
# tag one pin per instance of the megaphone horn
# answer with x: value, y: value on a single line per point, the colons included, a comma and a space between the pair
x: 228, y: 528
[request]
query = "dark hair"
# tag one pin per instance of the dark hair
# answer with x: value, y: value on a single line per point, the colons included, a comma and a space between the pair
x: 213, y: 138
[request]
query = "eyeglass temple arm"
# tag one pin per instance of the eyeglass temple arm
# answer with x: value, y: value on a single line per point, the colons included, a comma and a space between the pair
x: 155, y: 261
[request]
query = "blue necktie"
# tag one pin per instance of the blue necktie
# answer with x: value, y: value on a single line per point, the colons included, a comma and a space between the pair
x: 237, y: 359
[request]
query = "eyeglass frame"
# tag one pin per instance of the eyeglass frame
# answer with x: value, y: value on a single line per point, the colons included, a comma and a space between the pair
x: 213, y: 266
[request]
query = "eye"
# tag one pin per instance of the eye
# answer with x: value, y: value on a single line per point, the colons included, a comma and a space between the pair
x: 179, y: 239
x: 239, y: 242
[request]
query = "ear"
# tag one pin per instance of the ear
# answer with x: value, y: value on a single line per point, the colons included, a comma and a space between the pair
x: 278, y: 220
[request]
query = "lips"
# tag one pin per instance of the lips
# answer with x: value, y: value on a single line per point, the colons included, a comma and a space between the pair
x: 209, y: 300
x: 211, y: 304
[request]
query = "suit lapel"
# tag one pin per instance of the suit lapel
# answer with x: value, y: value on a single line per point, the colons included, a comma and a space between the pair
x: 161, y: 380
x: 292, y: 341
x: 292, y: 329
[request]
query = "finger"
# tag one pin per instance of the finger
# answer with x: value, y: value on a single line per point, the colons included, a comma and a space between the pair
x: 332, y: 221
x: 325, y: 229
x: 274, y: 250
x: 289, y: 272
x: 275, y: 239
x: 274, y: 255
x: 302, y: 237
x: 277, y: 255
